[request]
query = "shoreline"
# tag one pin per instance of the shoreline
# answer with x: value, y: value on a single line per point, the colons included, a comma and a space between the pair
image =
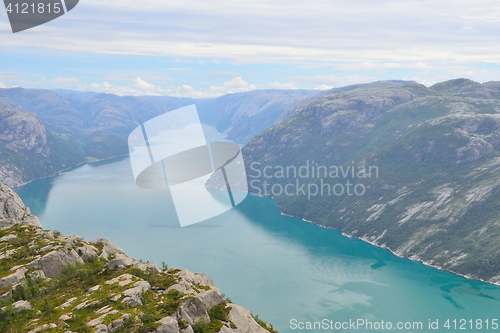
x: 382, y: 246
x: 57, y: 173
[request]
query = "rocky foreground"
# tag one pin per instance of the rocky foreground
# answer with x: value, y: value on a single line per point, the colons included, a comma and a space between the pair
x: 50, y: 282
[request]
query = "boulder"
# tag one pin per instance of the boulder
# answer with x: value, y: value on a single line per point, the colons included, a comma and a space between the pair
x: 211, y: 298
x: 12, y: 209
x: 108, y: 248
x: 7, y: 238
x: 53, y: 262
x: 132, y: 296
x: 101, y: 328
x: 188, y: 329
x: 21, y: 306
x: 87, y: 252
x: 43, y: 328
x: 196, y: 278
x: 168, y: 325
x: 193, y: 310
x: 13, y: 278
x: 121, y: 262
x: 244, y: 321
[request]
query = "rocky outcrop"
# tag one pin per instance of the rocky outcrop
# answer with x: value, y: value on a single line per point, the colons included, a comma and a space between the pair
x: 51, y: 281
x: 12, y: 209
x: 22, y: 134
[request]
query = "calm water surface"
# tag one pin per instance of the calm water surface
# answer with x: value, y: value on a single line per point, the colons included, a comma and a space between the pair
x: 279, y: 267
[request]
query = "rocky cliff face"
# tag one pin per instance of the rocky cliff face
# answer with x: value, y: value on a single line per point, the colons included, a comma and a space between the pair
x: 244, y: 115
x: 21, y: 133
x: 56, y: 283
x: 434, y: 194
x: 27, y: 150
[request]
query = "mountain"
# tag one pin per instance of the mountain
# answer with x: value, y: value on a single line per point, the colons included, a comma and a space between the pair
x: 418, y: 167
x: 244, y: 115
x: 57, y: 283
x: 84, y: 126
x: 27, y: 150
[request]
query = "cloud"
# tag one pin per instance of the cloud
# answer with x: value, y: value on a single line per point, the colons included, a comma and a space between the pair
x: 278, y: 85
x: 41, y: 82
x: 347, y: 42
x: 235, y: 85
x: 323, y: 87
x: 361, y: 31
x: 230, y: 74
x: 140, y: 87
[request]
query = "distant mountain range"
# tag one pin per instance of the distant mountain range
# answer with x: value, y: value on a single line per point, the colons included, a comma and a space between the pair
x: 44, y: 132
x: 433, y: 193
x: 418, y: 166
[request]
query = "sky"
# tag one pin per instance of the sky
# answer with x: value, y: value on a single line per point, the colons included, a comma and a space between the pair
x: 200, y: 48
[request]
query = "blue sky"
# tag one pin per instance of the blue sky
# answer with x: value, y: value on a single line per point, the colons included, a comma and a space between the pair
x: 202, y: 48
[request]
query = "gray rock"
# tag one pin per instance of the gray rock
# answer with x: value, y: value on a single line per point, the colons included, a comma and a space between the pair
x: 87, y: 252
x: 65, y: 317
x: 53, y: 262
x: 198, y: 278
x: 154, y: 267
x: 121, y: 262
x: 93, y: 289
x: 13, y: 278
x: 168, y: 325
x: 101, y: 328
x: 6, y: 296
x: 244, y: 321
x: 108, y: 248
x: 193, y: 310
x: 13, y: 210
x: 22, y: 306
x: 116, y: 325
x: 188, y: 329
x: 132, y: 296
x: 7, y: 238
x: 210, y: 298
x: 43, y: 328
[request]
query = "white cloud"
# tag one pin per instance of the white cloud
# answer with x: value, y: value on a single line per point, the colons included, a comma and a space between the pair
x: 42, y: 82
x: 140, y: 87
x: 385, y: 39
x: 278, y: 85
x: 323, y: 87
x: 235, y: 85
x: 351, y: 32
x: 143, y: 85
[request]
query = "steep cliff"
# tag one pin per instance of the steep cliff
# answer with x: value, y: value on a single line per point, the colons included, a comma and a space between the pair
x: 429, y: 189
x: 27, y: 150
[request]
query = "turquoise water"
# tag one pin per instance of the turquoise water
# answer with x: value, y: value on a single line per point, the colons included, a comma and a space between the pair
x: 279, y: 267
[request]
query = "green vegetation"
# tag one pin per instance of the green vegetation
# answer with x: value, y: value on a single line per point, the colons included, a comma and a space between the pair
x: 264, y: 325
x: 87, y: 290
x: 438, y: 156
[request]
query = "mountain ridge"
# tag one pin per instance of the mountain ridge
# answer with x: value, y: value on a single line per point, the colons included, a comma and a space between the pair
x: 437, y: 152
x: 88, y: 127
